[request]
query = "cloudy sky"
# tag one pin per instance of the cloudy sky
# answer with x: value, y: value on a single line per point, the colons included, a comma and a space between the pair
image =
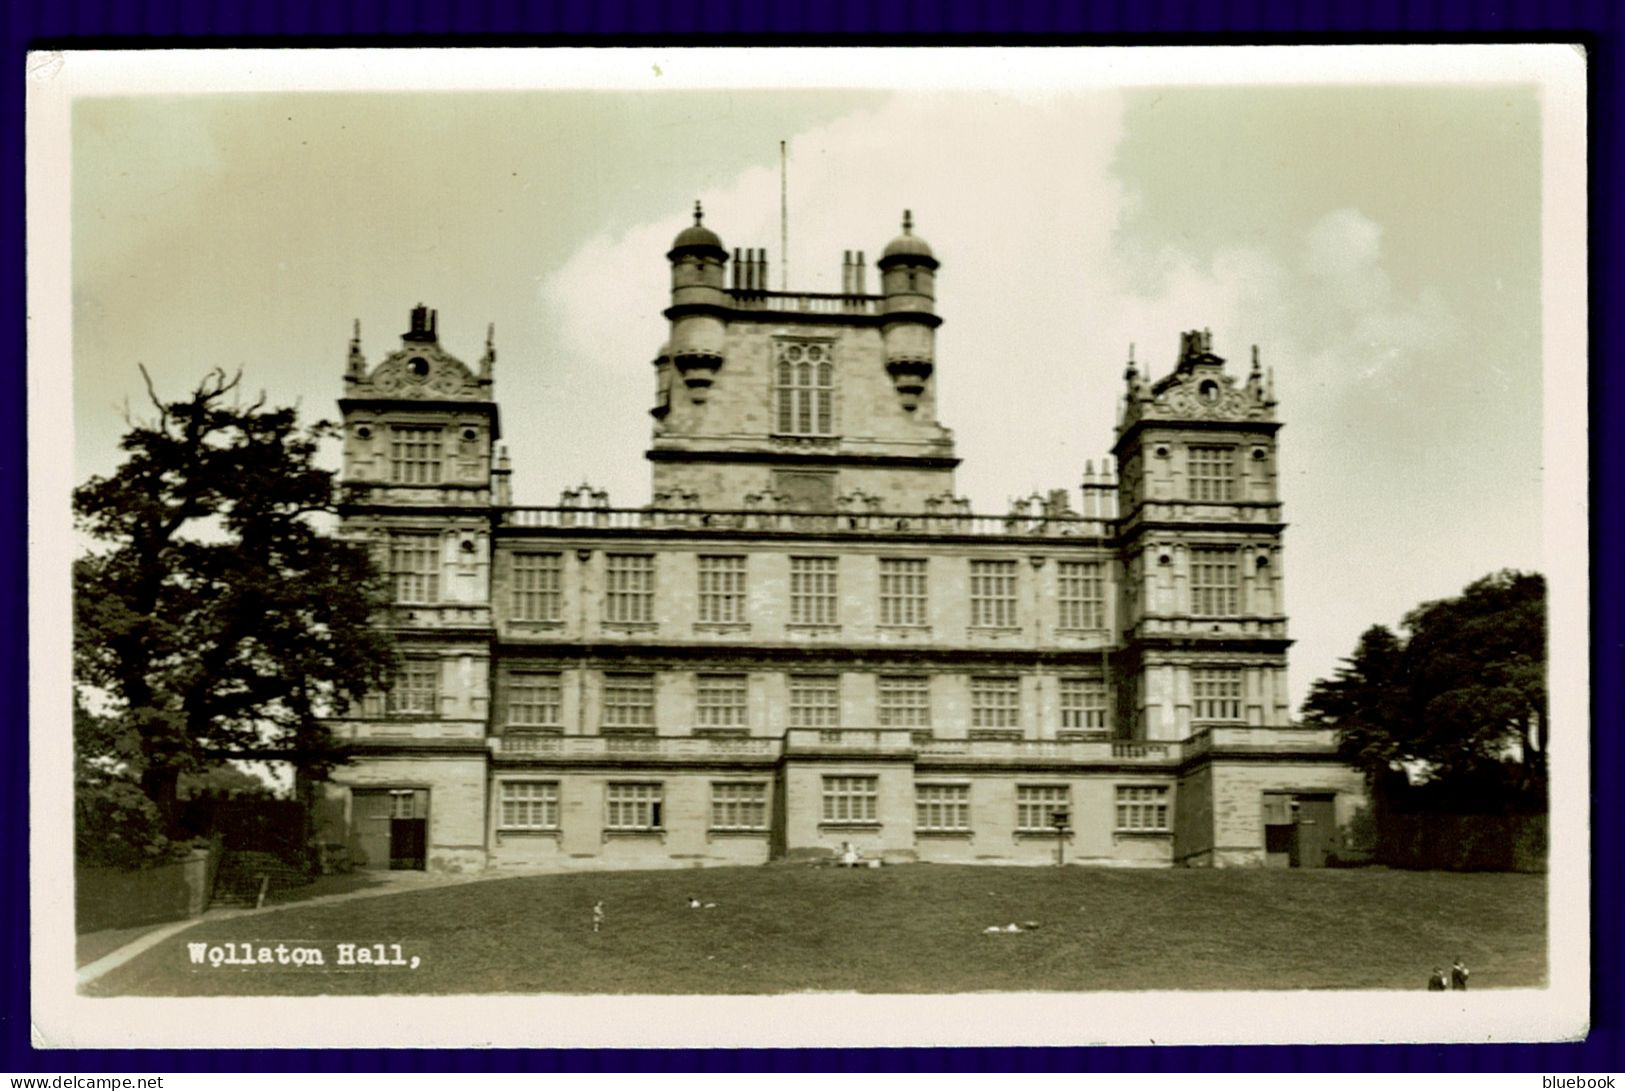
x: 1379, y: 242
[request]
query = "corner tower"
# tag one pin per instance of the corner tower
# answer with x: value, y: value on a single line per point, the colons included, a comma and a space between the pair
x: 798, y: 401
x: 419, y: 430
x: 1204, y: 625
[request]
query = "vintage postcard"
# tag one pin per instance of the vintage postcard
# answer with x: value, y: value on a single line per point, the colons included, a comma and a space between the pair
x: 690, y: 547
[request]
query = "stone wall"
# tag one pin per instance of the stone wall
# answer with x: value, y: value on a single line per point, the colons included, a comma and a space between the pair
x: 107, y: 897
x: 1238, y: 802
x: 1193, y: 819
x: 1093, y: 837
x: 457, y: 791
x: 890, y: 836
x: 1215, y: 811
x: 738, y: 408
x: 686, y: 838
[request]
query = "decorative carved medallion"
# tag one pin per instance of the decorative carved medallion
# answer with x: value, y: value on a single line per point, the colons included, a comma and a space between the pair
x: 424, y: 371
x: 1210, y: 398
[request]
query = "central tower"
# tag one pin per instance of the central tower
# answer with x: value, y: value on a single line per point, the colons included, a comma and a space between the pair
x: 800, y: 401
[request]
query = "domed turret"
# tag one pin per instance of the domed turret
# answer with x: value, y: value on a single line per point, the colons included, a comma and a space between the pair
x: 908, y: 246
x: 908, y: 284
x: 697, y: 296
x: 908, y: 271
x: 697, y: 239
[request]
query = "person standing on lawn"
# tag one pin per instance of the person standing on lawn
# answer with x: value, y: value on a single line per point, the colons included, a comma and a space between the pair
x: 1458, y: 975
x: 597, y: 915
x: 1437, y: 982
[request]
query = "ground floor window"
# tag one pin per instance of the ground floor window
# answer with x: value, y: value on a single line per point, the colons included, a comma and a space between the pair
x: 634, y: 807
x: 530, y: 805
x: 738, y: 805
x: 851, y: 799
x: 1142, y: 808
x: 942, y: 808
x: 1036, y: 805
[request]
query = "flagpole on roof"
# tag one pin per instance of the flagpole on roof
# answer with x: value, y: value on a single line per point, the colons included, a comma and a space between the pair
x: 784, y: 222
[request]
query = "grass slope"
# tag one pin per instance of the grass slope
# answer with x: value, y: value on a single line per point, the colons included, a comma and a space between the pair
x: 916, y: 928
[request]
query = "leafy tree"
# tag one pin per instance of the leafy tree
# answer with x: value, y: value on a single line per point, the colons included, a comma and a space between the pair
x: 114, y: 821
x: 1367, y: 701
x: 224, y: 780
x: 215, y: 619
x: 1461, y: 699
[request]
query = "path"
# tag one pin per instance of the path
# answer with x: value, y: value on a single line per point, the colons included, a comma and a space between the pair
x: 393, y: 882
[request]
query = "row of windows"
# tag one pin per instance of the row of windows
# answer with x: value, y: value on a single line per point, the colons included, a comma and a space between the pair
x: 814, y: 588
x: 536, y: 699
x: 635, y: 806
x: 804, y: 396
x: 638, y: 806
x: 537, y: 587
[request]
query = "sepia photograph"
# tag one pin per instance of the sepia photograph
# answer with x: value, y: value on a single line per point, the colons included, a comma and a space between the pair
x: 809, y: 546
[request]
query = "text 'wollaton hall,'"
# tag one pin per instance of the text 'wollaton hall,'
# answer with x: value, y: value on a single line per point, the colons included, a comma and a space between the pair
x: 807, y: 641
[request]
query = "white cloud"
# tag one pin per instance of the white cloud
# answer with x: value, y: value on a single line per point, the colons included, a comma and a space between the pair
x: 1343, y: 245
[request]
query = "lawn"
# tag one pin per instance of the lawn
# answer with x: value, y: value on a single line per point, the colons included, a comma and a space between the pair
x: 913, y: 928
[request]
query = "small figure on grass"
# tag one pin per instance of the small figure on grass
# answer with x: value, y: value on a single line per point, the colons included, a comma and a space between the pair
x: 693, y: 902
x: 597, y: 916
x: 1437, y: 983
x: 1458, y: 975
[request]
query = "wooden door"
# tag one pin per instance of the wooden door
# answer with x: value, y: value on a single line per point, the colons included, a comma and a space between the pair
x: 370, y: 833
x: 408, y: 829
x: 1316, y: 835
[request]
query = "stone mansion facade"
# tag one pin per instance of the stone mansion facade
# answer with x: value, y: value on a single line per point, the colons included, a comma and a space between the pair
x: 807, y: 640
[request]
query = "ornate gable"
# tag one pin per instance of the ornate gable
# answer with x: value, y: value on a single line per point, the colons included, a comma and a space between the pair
x: 1198, y: 388
x: 420, y: 368
x: 423, y: 371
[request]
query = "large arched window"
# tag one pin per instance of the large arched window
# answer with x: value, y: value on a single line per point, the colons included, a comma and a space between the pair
x: 804, y: 386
